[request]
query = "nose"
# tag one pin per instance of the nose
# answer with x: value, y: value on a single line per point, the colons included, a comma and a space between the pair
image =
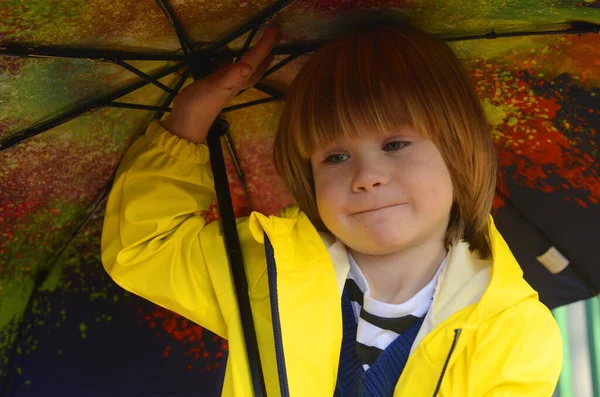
x: 369, y: 176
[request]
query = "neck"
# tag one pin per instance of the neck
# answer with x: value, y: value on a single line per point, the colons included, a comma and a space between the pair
x: 397, y: 277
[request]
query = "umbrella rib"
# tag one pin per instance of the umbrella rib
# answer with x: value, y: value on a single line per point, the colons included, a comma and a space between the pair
x: 577, y: 28
x: 267, y: 89
x: 99, y: 54
x: 94, y: 54
x: 584, y: 280
x: 249, y: 104
x: 264, y: 16
x: 288, y: 49
x: 160, y: 109
x: 246, y: 44
x: 281, y: 64
x: 137, y: 106
x: 143, y: 75
x: 175, y: 22
x: 173, y: 94
x: 90, y: 105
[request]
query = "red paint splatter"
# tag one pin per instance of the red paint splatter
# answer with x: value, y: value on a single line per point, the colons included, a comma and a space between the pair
x: 183, y: 331
x: 530, y: 140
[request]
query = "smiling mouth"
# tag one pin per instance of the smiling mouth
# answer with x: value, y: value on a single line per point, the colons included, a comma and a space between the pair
x: 375, y: 209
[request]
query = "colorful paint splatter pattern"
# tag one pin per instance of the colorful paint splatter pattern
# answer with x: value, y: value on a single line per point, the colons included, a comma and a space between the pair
x: 50, y: 182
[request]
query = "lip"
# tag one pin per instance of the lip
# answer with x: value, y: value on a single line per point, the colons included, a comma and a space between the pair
x: 375, y: 209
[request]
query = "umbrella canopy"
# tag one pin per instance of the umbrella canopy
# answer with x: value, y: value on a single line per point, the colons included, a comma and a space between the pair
x: 79, y: 81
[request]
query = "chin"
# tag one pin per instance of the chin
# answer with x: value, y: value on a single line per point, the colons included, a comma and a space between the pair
x: 379, y: 246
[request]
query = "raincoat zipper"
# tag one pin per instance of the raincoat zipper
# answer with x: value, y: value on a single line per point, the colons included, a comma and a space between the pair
x: 281, y: 369
x: 454, y: 342
x: 272, y: 278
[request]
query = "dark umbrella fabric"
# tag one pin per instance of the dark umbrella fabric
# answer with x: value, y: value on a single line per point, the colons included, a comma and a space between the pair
x: 65, y: 123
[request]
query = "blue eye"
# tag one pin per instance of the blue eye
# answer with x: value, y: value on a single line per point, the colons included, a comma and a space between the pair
x: 395, y: 145
x: 336, y: 158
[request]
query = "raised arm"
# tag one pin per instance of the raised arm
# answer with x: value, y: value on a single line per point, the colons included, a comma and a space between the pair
x: 152, y: 240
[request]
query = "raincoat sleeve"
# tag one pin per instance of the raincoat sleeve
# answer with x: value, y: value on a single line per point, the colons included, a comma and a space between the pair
x: 523, y: 356
x: 152, y: 239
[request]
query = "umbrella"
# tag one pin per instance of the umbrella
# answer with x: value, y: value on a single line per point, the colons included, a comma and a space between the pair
x: 79, y: 81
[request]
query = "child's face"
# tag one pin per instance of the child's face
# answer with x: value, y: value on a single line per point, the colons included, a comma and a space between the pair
x: 383, y: 194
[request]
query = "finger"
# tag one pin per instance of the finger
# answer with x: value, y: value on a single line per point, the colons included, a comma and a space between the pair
x: 255, y: 56
x: 260, y: 71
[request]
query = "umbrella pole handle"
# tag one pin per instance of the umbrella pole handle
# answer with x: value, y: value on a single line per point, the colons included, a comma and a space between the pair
x: 234, y: 253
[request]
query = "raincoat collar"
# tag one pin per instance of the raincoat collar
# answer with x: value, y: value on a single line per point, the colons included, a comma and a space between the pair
x: 493, y: 284
x: 469, y: 291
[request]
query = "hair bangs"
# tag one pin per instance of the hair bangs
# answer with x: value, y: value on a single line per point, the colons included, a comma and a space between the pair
x: 349, y: 97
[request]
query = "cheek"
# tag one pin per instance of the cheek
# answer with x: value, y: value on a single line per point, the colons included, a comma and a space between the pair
x: 321, y: 192
x: 328, y: 198
x: 431, y: 186
x: 324, y: 197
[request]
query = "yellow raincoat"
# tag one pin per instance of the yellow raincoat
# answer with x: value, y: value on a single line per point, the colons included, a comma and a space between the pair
x: 485, y: 335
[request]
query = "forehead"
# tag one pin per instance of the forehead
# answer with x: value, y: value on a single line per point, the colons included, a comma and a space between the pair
x: 405, y: 131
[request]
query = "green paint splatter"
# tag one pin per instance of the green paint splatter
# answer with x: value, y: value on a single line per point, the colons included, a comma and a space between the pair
x: 494, y: 114
x: 97, y: 295
x: 83, y: 330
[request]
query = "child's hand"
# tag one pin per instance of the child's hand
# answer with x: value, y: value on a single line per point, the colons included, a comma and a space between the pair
x: 197, y: 106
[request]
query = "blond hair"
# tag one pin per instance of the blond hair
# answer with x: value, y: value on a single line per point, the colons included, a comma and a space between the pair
x: 378, y: 78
